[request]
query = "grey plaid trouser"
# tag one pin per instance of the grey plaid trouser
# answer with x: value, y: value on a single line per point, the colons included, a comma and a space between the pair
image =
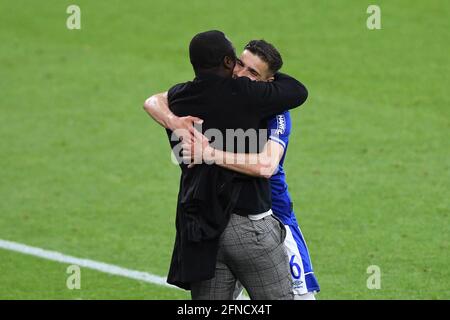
x: 253, y: 253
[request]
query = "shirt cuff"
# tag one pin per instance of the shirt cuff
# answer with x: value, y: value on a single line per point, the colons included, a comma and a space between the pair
x: 273, y: 138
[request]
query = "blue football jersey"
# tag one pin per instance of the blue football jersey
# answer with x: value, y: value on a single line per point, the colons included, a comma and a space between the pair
x: 279, y: 129
x: 304, y: 280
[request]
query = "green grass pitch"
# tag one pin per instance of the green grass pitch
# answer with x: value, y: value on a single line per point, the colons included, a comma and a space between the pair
x: 84, y: 171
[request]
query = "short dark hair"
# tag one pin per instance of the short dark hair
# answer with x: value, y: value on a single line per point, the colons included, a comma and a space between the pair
x: 267, y: 52
x: 207, y: 49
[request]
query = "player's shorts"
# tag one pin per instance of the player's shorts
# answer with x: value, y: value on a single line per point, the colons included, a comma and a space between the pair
x: 300, y: 266
x: 301, y: 269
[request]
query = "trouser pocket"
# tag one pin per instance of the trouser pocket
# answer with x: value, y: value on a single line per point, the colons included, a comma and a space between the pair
x: 270, y: 229
x: 279, y: 225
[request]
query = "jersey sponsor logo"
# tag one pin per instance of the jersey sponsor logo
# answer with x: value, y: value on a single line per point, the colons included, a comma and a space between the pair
x: 281, y: 124
x: 298, y: 284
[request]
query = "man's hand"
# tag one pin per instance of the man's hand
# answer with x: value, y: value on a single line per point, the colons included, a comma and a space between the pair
x: 197, y: 150
x: 157, y: 106
x: 183, y: 127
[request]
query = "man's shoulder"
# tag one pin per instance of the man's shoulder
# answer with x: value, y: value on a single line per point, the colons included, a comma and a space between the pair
x: 281, y: 121
x: 246, y: 89
x: 177, y: 89
x: 279, y: 127
x: 240, y: 85
x: 245, y: 83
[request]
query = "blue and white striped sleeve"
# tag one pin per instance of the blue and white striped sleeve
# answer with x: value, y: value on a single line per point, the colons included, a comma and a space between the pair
x: 279, y: 128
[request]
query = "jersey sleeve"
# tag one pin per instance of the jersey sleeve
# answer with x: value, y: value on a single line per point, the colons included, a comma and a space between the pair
x: 279, y: 128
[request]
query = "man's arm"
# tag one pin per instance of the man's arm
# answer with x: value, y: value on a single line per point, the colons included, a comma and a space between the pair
x: 157, y: 107
x: 263, y: 164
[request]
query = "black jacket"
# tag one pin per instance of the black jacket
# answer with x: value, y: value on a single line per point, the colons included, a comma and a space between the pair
x: 208, y: 194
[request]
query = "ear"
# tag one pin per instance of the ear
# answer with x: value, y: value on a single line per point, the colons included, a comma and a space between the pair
x: 229, y: 62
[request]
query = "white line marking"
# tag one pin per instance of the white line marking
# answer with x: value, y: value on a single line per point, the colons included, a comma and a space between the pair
x: 86, y: 263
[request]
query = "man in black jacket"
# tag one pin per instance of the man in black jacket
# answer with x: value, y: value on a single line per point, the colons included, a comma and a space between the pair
x: 225, y: 230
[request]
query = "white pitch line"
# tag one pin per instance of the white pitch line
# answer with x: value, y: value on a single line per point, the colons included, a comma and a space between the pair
x: 86, y: 263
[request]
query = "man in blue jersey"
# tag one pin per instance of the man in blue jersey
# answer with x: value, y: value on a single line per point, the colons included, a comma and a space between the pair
x: 259, y: 62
